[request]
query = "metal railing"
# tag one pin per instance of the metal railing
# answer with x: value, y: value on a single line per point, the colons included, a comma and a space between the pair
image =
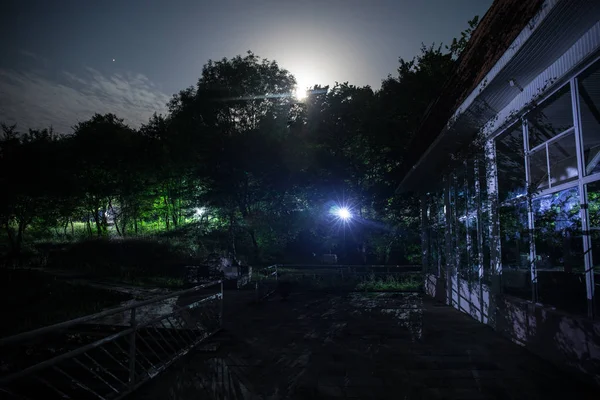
x: 266, y: 282
x: 109, y: 354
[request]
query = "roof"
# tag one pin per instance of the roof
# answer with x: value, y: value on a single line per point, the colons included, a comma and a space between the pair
x: 498, y: 29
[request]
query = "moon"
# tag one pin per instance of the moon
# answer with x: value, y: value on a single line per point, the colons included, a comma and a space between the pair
x: 300, y: 93
x: 305, y: 78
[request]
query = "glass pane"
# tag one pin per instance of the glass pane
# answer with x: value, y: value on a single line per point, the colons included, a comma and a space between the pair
x: 559, y: 251
x: 594, y: 212
x: 511, y: 164
x: 460, y: 192
x: 563, y: 160
x: 538, y: 164
x: 436, y: 232
x: 552, y: 117
x: 589, y: 105
x: 514, y: 237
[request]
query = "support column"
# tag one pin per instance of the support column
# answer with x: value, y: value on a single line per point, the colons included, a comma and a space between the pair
x: 457, y: 238
x: 448, y: 238
x: 494, y: 227
x: 583, y: 210
x: 425, y: 233
x: 530, y: 216
x: 479, y: 227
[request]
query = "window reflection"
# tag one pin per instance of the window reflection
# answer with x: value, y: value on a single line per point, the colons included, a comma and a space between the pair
x: 562, y: 155
x: 551, y: 118
x: 593, y: 201
x: 559, y: 250
x: 514, y: 236
x: 589, y: 105
x: 511, y: 164
x: 538, y: 166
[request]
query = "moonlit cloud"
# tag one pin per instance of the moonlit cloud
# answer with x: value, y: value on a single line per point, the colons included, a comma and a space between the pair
x: 36, y: 99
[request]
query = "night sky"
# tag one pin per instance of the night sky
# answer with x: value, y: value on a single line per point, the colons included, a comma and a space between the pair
x: 57, y: 68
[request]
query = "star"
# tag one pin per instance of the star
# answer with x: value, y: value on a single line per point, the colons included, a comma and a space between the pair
x: 113, y: 60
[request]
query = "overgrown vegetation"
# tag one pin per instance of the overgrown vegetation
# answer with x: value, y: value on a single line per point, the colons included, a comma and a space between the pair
x: 392, y: 283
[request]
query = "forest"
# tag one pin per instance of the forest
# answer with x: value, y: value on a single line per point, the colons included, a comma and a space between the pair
x: 238, y: 165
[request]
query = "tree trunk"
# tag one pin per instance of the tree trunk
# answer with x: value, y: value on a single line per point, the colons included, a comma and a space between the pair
x: 254, y: 245
x: 117, y: 227
x: 72, y: 227
x: 115, y: 219
x: 11, y: 237
x: 232, y: 249
x: 104, y: 221
x: 166, y: 212
x: 97, y: 222
x: 174, y: 216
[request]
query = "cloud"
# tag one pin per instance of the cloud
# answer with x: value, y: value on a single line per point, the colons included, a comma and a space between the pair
x: 35, y: 57
x: 34, y: 99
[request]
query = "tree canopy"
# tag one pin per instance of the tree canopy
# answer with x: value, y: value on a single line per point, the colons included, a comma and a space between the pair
x: 240, y: 161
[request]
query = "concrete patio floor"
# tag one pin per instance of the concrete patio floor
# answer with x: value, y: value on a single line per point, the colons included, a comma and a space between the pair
x: 358, y: 345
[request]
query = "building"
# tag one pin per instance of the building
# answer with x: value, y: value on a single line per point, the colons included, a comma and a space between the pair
x: 508, y: 170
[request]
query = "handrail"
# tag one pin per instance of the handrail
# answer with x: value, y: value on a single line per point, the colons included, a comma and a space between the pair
x: 97, y: 343
x: 62, y: 325
x: 143, y: 341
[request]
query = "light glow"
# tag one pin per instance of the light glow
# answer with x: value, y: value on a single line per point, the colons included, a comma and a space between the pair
x: 300, y: 93
x: 342, y: 213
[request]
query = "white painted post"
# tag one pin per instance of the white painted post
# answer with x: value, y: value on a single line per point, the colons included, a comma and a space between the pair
x: 448, y: 239
x: 583, y: 210
x: 530, y: 215
x: 424, y: 235
x: 494, y: 223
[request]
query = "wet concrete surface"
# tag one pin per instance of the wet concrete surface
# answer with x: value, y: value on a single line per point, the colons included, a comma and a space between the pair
x: 362, y: 346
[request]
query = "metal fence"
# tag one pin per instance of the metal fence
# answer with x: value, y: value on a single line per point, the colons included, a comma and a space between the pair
x: 109, y: 354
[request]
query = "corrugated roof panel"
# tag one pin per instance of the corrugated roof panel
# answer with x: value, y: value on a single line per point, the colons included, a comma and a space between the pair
x: 567, y: 25
x: 563, y: 27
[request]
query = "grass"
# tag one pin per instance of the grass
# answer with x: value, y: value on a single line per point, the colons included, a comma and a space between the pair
x: 33, y: 299
x: 390, y: 283
x: 319, y: 279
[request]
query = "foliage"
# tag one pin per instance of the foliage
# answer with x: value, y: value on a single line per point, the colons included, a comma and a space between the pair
x: 238, y: 165
x: 390, y: 283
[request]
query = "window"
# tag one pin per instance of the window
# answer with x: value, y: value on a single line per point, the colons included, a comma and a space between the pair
x: 553, y: 153
x: 558, y: 231
x: 562, y: 157
x: 538, y: 167
x: 589, y: 106
x: 514, y: 236
x: 551, y: 118
x: 593, y: 201
x: 511, y: 164
x: 559, y: 251
x: 436, y: 232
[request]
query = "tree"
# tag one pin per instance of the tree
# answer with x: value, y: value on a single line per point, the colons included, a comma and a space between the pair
x: 237, y: 116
